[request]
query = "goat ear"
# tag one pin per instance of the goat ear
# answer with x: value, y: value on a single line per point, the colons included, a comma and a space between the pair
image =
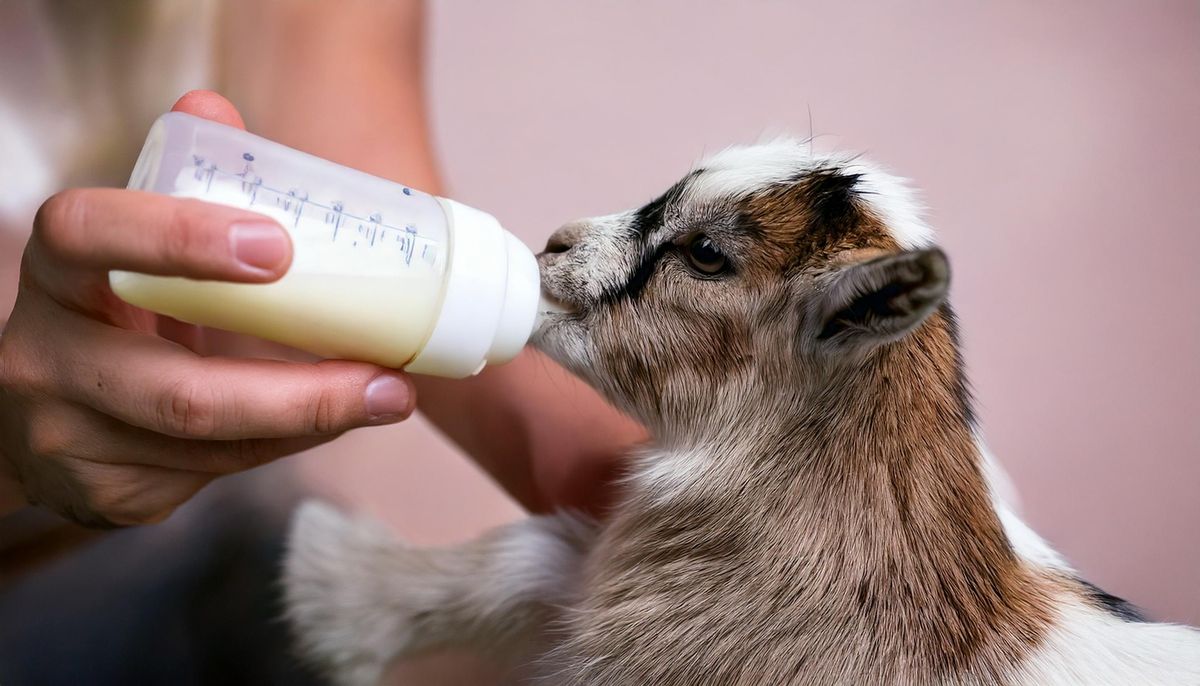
x: 880, y: 300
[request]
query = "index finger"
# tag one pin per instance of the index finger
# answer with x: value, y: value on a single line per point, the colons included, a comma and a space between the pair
x: 81, y: 234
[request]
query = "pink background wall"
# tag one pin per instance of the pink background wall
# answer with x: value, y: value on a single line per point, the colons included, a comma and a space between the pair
x: 1059, y: 150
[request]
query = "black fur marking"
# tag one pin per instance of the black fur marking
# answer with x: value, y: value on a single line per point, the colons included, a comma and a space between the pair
x: 636, y: 283
x: 834, y: 209
x: 650, y: 216
x: 962, y: 386
x: 833, y: 198
x: 748, y: 225
x: 1111, y: 604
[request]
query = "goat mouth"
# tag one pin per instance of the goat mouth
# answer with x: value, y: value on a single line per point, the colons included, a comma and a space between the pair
x: 549, y: 305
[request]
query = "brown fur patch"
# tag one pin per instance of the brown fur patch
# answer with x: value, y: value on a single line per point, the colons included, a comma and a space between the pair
x: 806, y: 223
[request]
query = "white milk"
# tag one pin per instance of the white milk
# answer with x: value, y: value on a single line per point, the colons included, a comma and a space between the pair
x: 380, y: 272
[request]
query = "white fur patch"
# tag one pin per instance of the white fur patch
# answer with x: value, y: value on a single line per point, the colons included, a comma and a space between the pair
x: 536, y: 560
x: 1024, y: 541
x: 1000, y: 486
x: 358, y: 597
x: 896, y: 204
x: 664, y: 474
x: 1090, y: 647
x: 604, y: 259
x: 345, y: 597
x: 741, y: 170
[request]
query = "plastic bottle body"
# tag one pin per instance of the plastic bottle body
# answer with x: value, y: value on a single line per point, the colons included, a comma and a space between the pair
x: 372, y: 260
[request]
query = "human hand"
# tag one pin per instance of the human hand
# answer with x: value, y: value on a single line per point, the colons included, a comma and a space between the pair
x: 107, y: 413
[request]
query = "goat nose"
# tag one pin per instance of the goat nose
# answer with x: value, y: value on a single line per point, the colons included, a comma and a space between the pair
x: 556, y: 244
x: 565, y: 238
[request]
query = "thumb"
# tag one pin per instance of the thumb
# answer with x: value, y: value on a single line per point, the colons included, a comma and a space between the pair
x: 209, y: 105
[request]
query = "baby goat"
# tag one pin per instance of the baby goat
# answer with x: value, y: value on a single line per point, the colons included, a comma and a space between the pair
x: 814, y: 508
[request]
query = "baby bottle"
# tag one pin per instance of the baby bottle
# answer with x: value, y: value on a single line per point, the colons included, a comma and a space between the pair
x: 380, y: 272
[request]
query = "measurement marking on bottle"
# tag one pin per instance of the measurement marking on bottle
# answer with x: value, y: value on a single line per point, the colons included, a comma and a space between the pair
x: 336, y: 217
x: 371, y: 229
x: 410, y: 242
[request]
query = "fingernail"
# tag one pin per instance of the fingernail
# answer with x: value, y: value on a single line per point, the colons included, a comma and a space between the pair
x: 261, y: 246
x: 388, y: 397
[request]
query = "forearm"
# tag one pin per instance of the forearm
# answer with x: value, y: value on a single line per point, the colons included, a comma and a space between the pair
x: 549, y: 439
x: 341, y: 80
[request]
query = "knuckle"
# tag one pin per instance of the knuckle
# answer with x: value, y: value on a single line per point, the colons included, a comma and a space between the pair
x: 93, y: 495
x: 108, y: 504
x: 323, y: 414
x: 121, y: 510
x: 189, y: 409
x: 56, y: 224
x: 119, y: 498
x: 99, y: 495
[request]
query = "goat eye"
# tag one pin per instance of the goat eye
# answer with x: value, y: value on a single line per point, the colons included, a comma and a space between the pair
x: 704, y: 256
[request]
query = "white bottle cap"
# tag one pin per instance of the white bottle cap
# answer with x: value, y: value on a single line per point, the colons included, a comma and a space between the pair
x: 489, y: 299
